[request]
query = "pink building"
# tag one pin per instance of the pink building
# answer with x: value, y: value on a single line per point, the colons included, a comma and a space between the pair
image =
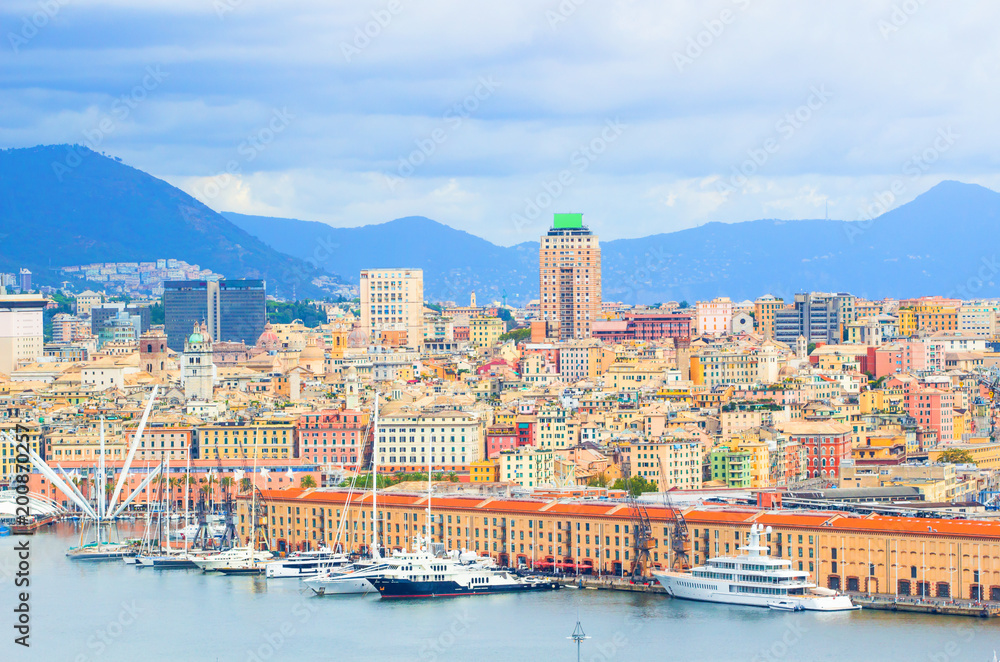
x: 933, y: 409
x: 334, y: 436
x: 899, y: 357
x: 715, y: 317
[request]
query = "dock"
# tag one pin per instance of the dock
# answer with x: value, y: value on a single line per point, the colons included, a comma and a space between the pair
x: 32, y: 527
x: 939, y: 606
x: 927, y: 605
x: 611, y: 584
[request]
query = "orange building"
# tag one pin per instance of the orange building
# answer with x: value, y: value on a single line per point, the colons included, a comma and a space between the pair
x: 914, y: 556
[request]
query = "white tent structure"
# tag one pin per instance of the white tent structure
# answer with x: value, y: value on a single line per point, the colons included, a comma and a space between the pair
x: 100, y: 517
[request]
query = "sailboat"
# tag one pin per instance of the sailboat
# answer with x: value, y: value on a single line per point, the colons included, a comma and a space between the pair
x: 99, y: 540
x: 354, y: 579
x: 245, y: 560
x: 169, y: 559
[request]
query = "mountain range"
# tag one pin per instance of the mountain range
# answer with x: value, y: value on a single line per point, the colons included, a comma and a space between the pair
x: 63, y: 205
x: 936, y: 244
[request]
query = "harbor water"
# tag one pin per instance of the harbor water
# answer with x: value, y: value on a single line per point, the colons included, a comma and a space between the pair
x: 108, y: 611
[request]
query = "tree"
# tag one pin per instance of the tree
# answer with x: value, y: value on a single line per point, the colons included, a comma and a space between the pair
x: 517, y: 335
x: 684, y: 304
x: 956, y: 456
x: 635, y: 485
x: 307, y: 482
x: 810, y: 348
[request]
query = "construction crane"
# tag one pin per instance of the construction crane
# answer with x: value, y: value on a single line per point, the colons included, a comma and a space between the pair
x: 680, y: 539
x: 642, y: 537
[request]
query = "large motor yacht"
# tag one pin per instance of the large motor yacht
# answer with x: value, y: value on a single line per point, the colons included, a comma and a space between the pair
x: 753, y: 578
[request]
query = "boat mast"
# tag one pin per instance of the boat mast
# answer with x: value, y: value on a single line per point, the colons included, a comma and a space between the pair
x: 100, y: 487
x: 252, y: 543
x: 430, y: 489
x: 187, y: 473
x: 170, y: 496
x: 374, y: 549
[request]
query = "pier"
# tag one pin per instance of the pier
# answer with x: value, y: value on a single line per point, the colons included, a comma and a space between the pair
x: 878, y: 602
x: 33, y: 526
x: 611, y: 584
x: 927, y: 605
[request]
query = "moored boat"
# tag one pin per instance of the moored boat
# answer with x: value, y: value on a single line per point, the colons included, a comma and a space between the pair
x: 754, y: 579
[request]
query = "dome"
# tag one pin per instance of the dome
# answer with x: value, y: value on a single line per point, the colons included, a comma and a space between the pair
x: 357, y: 338
x: 196, y: 337
x: 312, y: 351
x: 268, y: 339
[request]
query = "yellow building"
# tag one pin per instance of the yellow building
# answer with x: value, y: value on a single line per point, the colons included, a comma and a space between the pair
x: 484, y: 331
x: 13, y: 433
x: 634, y: 376
x: 273, y: 438
x: 907, y: 322
x: 882, y: 400
x: 764, y: 309
x: 484, y: 471
x: 985, y: 453
x: 667, y: 462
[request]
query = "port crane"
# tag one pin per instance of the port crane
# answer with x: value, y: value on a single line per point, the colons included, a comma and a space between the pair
x: 680, y: 537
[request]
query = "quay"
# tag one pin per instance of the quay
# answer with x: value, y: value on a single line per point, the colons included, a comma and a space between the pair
x: 32, y: 527
x: 927, y: 605
x: 611, y: 584
x: 880, y: 603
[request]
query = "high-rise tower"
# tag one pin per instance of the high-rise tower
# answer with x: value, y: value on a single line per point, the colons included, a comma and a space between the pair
x: 569, y: 272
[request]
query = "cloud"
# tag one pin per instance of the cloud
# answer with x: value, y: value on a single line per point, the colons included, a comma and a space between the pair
x: 369, y: 83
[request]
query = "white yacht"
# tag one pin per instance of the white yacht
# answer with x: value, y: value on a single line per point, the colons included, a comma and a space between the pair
x: 753, y: 578
x: 434, y: 574
x: 305, y: 564
x: 231, y: 558
x: 351, y: 579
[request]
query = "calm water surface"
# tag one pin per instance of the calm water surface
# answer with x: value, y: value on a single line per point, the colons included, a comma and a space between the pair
x: 108, y: 611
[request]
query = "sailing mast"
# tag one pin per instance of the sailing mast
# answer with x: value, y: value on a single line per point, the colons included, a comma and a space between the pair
x: 430, y: 489
x: 101, y: 478
x: 187, y: 474
x: 170, y: 496
x: 375, y: 554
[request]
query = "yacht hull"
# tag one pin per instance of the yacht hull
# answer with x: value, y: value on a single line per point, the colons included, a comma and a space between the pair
x: 392, y: 587
x: 686, y: 587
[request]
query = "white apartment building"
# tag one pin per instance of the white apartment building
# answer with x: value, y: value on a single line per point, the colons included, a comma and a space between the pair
x: 527, y: 466
x: 714, y: 317
x: 979, y: 318
x: 557, y: 429
x: 747, y: 368
x: 447, y: 438
x: 21, y: 330
x: 393, y: 299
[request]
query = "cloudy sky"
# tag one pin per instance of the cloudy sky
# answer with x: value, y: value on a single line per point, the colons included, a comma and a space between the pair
x: 648, y: 116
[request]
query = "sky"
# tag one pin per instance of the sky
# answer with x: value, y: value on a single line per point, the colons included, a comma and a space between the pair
x: 646, y: 116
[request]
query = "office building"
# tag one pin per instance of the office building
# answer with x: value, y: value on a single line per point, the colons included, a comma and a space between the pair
x: 101, y: 315
x: 25, y: 281
x: 242, y: 311
x: 569, y: 264
x: 393, y: 300
x: 21, y: 330
x: 232, y: 310
x: 818, y: 317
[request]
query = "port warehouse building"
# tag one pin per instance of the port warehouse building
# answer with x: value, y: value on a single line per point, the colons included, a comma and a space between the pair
x: 875, y: 554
